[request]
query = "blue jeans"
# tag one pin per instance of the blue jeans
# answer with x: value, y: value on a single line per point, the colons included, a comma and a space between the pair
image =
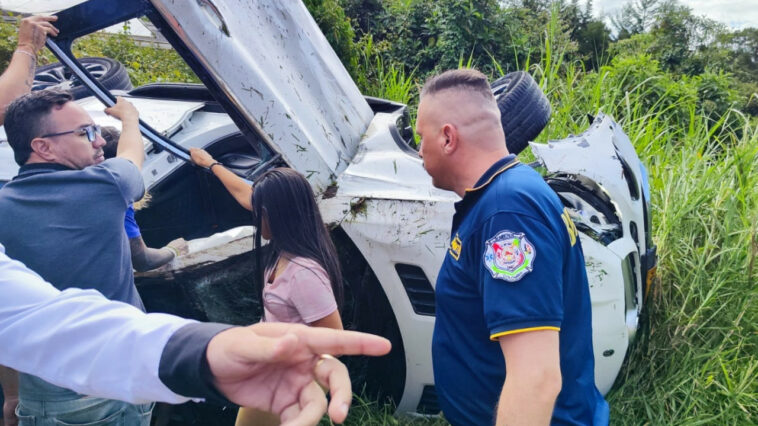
x: 85, y: 411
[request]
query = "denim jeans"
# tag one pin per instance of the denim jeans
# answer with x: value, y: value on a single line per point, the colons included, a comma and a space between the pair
x: 85, y: 411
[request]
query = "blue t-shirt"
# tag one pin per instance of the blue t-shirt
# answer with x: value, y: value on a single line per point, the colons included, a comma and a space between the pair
x: 514, y: 265
x: 130, y: 223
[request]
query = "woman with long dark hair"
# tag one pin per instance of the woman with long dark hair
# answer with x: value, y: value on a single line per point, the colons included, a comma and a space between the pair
x: 301, y: 276
x: 301, y: 280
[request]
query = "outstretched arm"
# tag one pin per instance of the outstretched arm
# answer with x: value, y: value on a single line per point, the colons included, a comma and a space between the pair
x: 145, y: 258
x: 273, y: 367
x: 240, y: 190
x: 42, y: 321
x: 18, y: 78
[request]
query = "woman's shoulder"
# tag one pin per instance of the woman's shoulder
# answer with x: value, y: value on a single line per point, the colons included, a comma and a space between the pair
x: 303, y: 267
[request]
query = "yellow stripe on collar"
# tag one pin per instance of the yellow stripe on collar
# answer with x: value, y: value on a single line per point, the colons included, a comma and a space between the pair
x: 495, y: 336
x: 502, y: 169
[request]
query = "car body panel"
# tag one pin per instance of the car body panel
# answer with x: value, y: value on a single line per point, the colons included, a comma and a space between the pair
x: 275, y: 66
x: 387, y: 205
x: 616, y: 168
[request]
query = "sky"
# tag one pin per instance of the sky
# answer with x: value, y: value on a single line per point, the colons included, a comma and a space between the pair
x: 736, y: 14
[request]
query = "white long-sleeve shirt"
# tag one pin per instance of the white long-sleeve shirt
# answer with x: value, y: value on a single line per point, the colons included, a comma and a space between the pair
x: 80, y: 340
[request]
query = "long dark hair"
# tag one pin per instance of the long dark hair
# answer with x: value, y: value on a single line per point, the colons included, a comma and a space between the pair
x: 287, y: 201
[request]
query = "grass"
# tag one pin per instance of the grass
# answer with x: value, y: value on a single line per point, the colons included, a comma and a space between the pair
x: 696, y: 357
x: 697, y: 360
x: 368, y: 413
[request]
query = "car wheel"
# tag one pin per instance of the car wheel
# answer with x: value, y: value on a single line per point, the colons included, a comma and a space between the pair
x: 524, y: 109
x: 110, y: 73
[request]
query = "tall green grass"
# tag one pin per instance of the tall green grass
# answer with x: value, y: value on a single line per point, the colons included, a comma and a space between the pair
x: 695, y: 360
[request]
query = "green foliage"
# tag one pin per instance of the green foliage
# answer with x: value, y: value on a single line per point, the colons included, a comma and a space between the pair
x: 741, y: 53
x: 681, y: 87
x: 635, y: 17
x: 636, y: 44
x: 337, y: 28
x: 145, y: 64
x: 8, y: 39
x: 696, y: 362
x: 696, y: 358
x: 388, y: 81
x: 365, y: 412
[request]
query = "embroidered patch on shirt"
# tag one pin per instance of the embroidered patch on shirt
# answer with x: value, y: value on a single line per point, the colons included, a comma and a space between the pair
x: 455, y: 247
x: 509, y: 256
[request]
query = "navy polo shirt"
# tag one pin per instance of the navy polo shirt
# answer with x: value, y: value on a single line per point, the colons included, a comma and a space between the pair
x: 514, y: 265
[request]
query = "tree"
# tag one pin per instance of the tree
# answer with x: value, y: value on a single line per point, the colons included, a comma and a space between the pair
x: 635, y: 17
x: 591, y: 35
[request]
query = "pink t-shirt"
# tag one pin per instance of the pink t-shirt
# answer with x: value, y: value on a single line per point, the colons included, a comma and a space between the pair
x: 301, y: 293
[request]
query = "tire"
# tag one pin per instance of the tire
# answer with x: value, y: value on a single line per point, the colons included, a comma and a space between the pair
x: 524, y: 109
x: 110, y: 73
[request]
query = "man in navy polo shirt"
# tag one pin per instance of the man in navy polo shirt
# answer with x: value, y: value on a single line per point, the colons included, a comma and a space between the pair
x: 512, y: 293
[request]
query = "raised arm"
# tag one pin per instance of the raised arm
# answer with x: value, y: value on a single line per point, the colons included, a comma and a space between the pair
x: 18, y: 78
x: 240, y: 190
x: 130, y: 143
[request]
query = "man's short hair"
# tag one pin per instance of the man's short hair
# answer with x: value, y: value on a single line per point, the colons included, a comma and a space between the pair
x: 466, y: 79
x: 26, y: 119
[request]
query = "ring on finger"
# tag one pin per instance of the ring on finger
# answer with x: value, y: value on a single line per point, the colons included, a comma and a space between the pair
x: 322, y: 358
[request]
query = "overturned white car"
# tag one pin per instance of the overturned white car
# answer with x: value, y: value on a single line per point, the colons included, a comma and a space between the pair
x: 275, y: 94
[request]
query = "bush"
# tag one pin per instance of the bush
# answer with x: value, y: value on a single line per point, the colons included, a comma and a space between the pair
x: 145, y: 64
x: 8, y: 39
x: 336, y: 26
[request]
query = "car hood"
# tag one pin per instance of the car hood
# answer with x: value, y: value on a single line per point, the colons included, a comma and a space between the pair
x: 266, y: 62
x: 276, y: 67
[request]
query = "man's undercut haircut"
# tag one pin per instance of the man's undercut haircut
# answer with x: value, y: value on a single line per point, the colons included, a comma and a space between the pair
x: 466, y: 79
x: 26, y: 119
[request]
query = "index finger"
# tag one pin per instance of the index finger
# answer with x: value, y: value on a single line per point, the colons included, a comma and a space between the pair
x: 336, y: 342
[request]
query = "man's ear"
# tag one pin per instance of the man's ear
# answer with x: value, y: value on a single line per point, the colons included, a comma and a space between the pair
x: 43, y: 149
x: 450, y: 133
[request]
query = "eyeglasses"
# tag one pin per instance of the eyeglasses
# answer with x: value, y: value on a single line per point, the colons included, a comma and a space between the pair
x: 92, y: 132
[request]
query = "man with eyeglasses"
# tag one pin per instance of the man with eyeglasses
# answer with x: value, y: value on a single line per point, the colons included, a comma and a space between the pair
x: 63, y: 217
